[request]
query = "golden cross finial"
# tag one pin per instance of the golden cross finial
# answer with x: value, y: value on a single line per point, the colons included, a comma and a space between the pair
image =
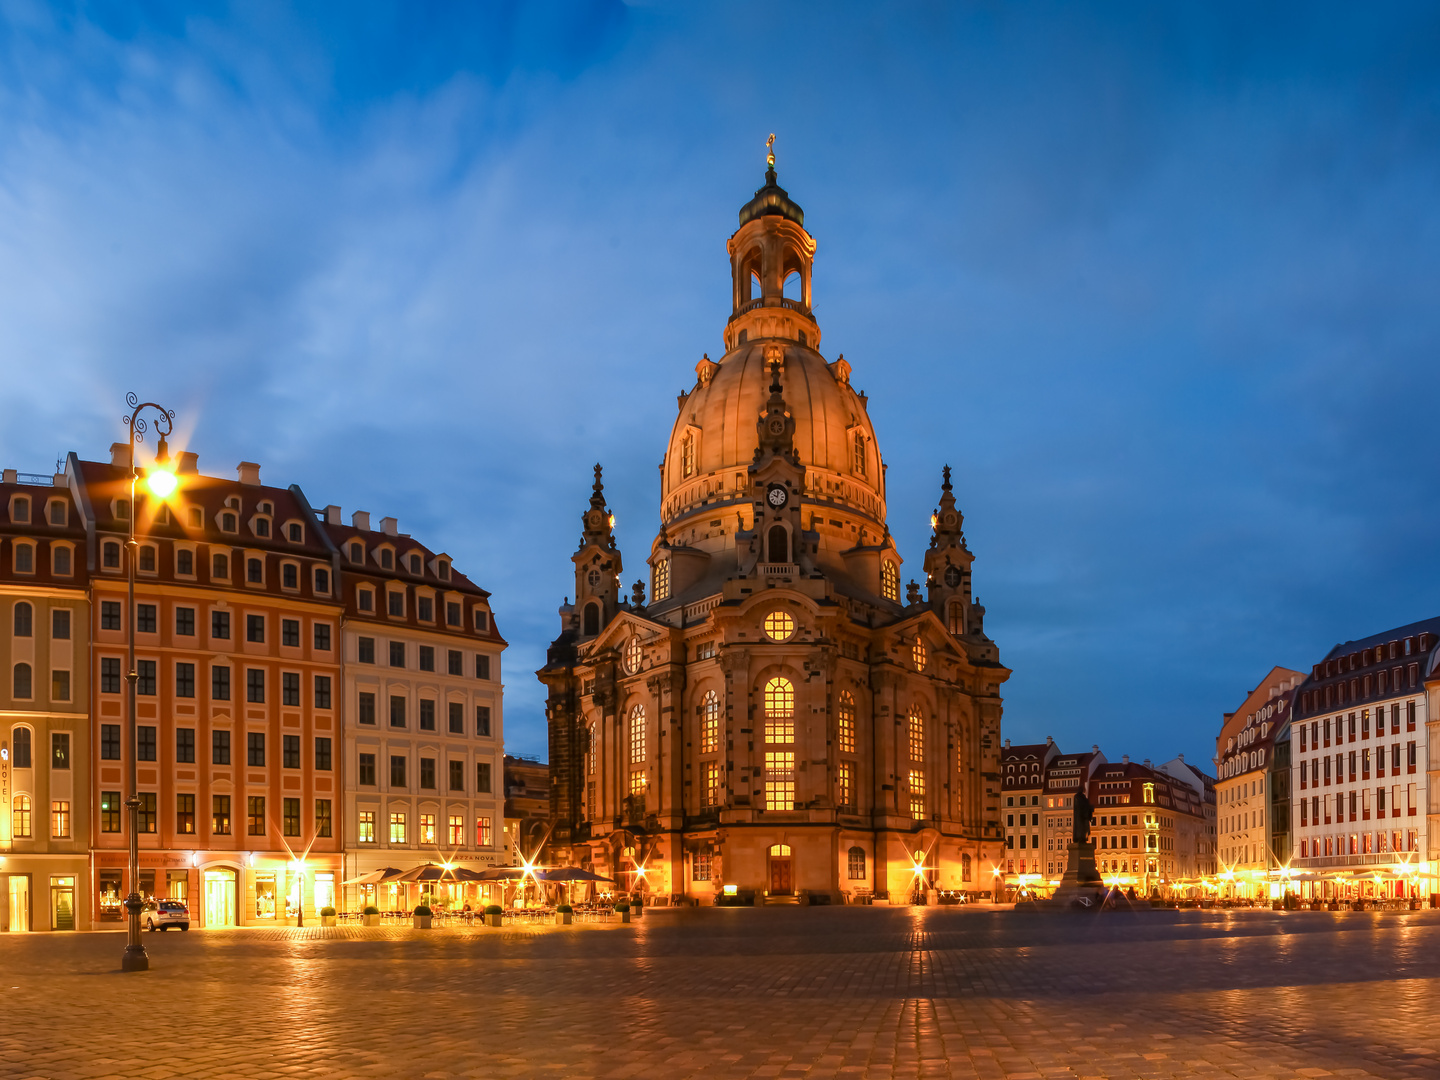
x: 770, y: 150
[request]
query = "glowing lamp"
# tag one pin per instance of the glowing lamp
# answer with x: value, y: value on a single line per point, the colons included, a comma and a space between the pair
x: 161, y: 478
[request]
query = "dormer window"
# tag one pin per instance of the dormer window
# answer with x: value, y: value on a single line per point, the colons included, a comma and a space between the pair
x: 24, y: 559
x: 415, y: 565
x: 482, y: 619
x: 425, y: 608
x: 442, y: 570
x: 229, y: 523
x: 387, y: 559
x: 357, y: 552
x: 266, y: 508
x: 860, y: 454
x: 197, y: 518
x: 59, y: 512
x: 255, y: 571
x: 162, y: 516
x: 289, y: 576
x: 365, y: 600
x: 262, y: 527
x: 110, y: 555
x: 122, y: 509
x: 889, y: 581
x: 661, y: 587
x: 396, y: 601
x: 185, y: 562
x: 296, y: 531
x: 60, y: 559
x: 322, y: 581
x: 687, y: 456
x: 147, y: 559
x: 220, y: 567
x: 20, y: 510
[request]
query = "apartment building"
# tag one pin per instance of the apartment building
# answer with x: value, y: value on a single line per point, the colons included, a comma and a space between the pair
x: 1065, y: 776
x: 1150, y: 829
x: 1022, y: 783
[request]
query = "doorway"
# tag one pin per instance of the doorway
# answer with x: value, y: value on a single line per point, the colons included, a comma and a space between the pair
x: 220, y: 888
x: 19, y: 897
x: 781, y: 871
x: 62, y: 903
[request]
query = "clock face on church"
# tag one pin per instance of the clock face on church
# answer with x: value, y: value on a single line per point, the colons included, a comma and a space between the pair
x: 777, y: 496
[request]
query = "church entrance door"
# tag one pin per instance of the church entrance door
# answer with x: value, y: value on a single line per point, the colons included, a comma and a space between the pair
x: 781, y: 878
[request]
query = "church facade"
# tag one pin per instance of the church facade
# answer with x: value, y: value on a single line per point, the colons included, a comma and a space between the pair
x: 777, y: 720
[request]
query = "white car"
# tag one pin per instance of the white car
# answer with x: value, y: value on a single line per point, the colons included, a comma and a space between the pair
x: 163, y: 914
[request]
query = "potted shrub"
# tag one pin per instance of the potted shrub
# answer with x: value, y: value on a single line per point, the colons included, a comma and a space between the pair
x: 423, y: 917
x: 638, y: 907
x: 564, y: 915
x: 327, y: 916
x: 623, y: 910
x: 494, y: 914
x: 372, y: 915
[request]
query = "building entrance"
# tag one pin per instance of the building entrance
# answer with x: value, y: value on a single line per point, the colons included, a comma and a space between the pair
x: 62, y: 903
x: 220, y: 886
x: 19, y: 909
x: 781, y: 881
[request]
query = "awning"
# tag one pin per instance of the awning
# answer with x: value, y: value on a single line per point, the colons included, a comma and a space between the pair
x: 375, y: 877
x: 570, y: 873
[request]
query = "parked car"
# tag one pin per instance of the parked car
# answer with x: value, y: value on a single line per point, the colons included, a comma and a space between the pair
x: 163, y: 914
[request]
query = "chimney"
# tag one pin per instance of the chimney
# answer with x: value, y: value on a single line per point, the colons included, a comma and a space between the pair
x: 1125, y: 759
x: 188, y: 462
x: 10, y: 476
x: 1049, y: 740
x: 1181, y: 757
x: 120, y: 455
x: 248, y: 473
x: 1147, y: 763
x: 332, y: 515
x: 1007, y: 744
x: 1094, y: 748
x: 360, y: 519
x: 390, y: 526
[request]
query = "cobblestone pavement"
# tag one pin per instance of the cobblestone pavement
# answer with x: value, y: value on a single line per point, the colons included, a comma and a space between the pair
x: 730, y: 993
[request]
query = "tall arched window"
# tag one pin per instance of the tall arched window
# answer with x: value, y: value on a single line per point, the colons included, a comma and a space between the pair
x: 890, y: 581
x: 23, y: 619
x: 915, y: 729
x: 957, y: 618
x: 859, y: 454
x: 23, y: 682
x: 21, y: 740
x: 779, y: 711
x: 637, y: 734
x: 779, y: 544
x: 855, y: 864
x: 687, y: 456
x: 845, y: 723
x: 592, y: 619
x: 710, y: 722
x: 20, y: 817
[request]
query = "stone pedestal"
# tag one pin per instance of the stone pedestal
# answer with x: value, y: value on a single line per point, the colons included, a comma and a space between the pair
x: 1081, y: 886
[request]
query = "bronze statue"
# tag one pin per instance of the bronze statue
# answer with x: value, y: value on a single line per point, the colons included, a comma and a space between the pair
x: 1084, y: 815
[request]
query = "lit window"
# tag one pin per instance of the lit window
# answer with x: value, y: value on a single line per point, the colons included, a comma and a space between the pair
x: 859, y: 454
x: 710, y: 723
x: 712, y: 784
x: 637, y: 783
x: 779, y: 711
x: 427, y: 828
x: 634, y: 654
x: 845, y: 726
x: 397, y: 828
x: 917, y: 794
x: 637, y: 733
x: 890, y: 581
x: 779, y: 625
x: 919, y: 655
x: 482, y: 832
x: 856, y: 864
x: 844, y: 785
x: 367, y: 826
x: 915, y: 726
x: 687, y: 456
x: 661, y: 589
x: 779, y: 780
x: 20, y: 817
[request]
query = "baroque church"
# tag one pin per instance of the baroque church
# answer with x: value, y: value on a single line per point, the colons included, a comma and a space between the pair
x: 777, y: 721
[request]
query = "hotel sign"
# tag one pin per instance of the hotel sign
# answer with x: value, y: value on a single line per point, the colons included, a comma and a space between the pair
x: 4, y: 796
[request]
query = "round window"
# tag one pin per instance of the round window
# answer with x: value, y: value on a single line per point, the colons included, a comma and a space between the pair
x: 779, y: 626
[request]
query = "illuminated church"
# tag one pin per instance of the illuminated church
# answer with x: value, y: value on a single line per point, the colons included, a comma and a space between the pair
x: 778, y: 721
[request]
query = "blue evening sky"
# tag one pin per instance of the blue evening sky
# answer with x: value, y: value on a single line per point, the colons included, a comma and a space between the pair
x: 1160, y: 282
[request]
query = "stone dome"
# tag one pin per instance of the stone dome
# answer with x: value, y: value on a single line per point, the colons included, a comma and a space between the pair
x: 714, y: 438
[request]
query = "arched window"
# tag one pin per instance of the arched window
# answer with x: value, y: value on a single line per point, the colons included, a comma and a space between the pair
x: 687, y: 456
x: 856, y: 864
x: 779, y: 711
x: 779, y: 851
x: 792, y: 290
x: 22, y: 747
x: 915, y: 729
x: 957, y: 618
x: 890, y: 581
x: 147, y: 558
x: 845, y: 723
x: 637, y: 734
x: 23, y: 682
x: 23, y: 619
x: 24, y: 559
x: 964, y: 867
x: 779, y: 544
x: 20, y: 817
x: 859, y: 455
x: 918, y: 654
x: 255, y: 571
x: 220, y: 566
x: 710, y: 722
x: 592, y: 619
x: 184, y: 562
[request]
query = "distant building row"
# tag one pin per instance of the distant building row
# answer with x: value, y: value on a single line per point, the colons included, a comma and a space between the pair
x: 315, y: 699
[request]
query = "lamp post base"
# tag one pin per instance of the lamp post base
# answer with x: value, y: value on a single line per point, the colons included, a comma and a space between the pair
x: 135, y: 959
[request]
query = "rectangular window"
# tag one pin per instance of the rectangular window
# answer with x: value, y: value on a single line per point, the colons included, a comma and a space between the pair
x: 917, y: 795
x: 397, y: 654
x: 290, y: 815
x: 397, y: 828
x: 110, y: 742
x: 184, y: 622
x: 185, y: 680
x: 457, y: 718
x: 109, y: 675
x: 457, y: 776
x: 220, y: 625
x: 255, y: 748
x: 482, y: 620
x: 110, y: 811
x: 427, y: 658
x: 482, y: 832
x: 482, y: 666
x: 145, y: 618
x: 780, y: 780
x: 711, y: 793
x: 322, y: 753
x: 185, y: 745
x: 367, y: 708
x: 290, y: 632
x: 366, y: 600
x: 482, y: 719
x: 397, y: 770
x: 427, y: 714
x: 256, y: 807
x: 452, y: 614
x: 427, y: 828
x: 844, y: 786
x: 220, y: 748
x: 289, y: 688
x: 322, y: 637
x: 482, y: 778
x: 220, y: 683
x: 425, y: 608
x: 145, y: 743
x: 60, y: 750
x: 367, y: 650
x: 455, y: 660
x: 324, y: 820
x: 397, y: 710
x: 185, y: 815
x: 290, y: 751
x: 456, y: 834
x: 147, y: 812
x: 145, y: 684
x: 255, y: 685
x: 367, y: 826
x: 427, y: 773
x: 397, y: 604
x: 220, y: 815
x: 109, y: 615
x: 367, y: 770
x: 322, y: 691
x: 255, y: 628
x: 60, y: 818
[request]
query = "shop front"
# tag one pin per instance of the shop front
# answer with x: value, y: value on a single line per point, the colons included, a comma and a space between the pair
x: 42, y: 893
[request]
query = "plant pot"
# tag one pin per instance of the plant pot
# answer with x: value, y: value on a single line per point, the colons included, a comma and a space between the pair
x: 327, y: 920
x: 624, y: 916
x: 372, y: 920
x: 493, y: 920
x: 422, y: 922
x: 563, y: 918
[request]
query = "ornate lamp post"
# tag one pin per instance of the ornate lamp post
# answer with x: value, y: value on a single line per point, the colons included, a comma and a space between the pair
x: 161, y: 482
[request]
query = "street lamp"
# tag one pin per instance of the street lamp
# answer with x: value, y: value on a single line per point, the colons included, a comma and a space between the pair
x: 161, y: 482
